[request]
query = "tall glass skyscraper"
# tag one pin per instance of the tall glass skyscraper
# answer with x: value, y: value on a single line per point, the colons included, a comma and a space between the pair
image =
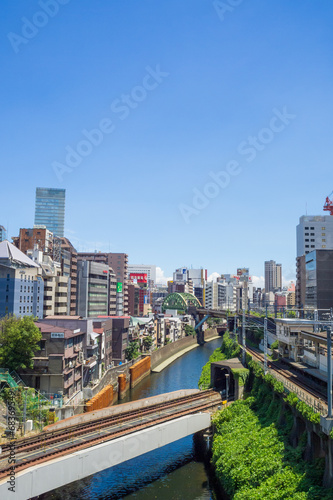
x: 50, y: 209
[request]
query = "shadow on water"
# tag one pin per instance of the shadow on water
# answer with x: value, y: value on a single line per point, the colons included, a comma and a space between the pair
x: 172, y: 472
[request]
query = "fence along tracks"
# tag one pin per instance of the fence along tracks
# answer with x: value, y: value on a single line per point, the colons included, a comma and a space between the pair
x: 306, y: 393
x: 53, y: 444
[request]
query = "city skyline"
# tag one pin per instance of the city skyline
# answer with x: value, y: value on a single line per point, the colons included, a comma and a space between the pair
x: 221, y: 140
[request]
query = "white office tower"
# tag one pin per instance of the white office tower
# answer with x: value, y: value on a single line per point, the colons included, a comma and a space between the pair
x: 314, y: 232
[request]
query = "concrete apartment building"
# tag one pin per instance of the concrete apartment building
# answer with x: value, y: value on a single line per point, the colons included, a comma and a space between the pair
x: 319, y: 280
x: 93, y: 289
x: 118, y: 262
x: 37, y: 237
x: 314, y: 232
x: 69, y: 268
x: 273, y: 276
x: 58, y: 366
x: 21, y: 283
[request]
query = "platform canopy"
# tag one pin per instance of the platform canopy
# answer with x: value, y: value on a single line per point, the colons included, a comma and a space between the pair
x: 180, y: 302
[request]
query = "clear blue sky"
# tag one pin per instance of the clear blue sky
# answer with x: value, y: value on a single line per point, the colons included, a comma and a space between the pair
x: 221, y: 77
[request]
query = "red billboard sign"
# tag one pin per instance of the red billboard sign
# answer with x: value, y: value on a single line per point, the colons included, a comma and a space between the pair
x: 138, y: 277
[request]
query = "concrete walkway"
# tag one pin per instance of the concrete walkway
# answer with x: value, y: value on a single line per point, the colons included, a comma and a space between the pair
x: 170, y: 360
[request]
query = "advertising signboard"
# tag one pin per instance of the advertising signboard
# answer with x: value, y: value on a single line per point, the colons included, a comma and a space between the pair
x: 119, y: 287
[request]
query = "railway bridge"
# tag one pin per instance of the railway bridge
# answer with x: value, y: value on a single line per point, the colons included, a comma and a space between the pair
x: 89, y: 443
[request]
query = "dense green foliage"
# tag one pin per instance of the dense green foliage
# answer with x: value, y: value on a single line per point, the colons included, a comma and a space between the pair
x: 37, y: 409
x: 303, y: 408
x: 229, y: 349
x: 147, y: 342
x: 132, y: 351
x: 189, y: 330
x: 275, y: 344
x: 241, y: 374
x: 19, y: 340
x: 252, y: 456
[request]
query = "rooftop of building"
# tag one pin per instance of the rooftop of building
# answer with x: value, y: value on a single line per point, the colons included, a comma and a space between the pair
x: 68, y: 333
x: 9, y: 252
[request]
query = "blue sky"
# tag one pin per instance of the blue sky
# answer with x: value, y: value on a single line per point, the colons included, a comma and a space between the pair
x: 179, y: 89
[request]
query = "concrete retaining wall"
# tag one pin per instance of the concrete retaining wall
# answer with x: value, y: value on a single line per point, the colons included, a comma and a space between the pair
x: 162, y: 354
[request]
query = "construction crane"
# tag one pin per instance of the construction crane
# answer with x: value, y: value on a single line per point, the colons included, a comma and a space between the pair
x: 329, y: 204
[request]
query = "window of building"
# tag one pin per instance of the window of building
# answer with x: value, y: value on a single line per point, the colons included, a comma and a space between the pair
x: 306, y: 228
x: 306, y: 234
x: 312, y: 228
x: 323, y: 246
x: 312, y: 240
x: 25, y: 288
x: 20, y: 298
x: 306, y: 246
x: 29, y: 289
x: 21, y: 288
x: 312, y: 246
x: 307, y: 239
x: 323, y: 240
x: 323, y: 228
x: 8, y: 276
x: 24, y: 309
x: 20, y: 310
x: 24, y: 299
x: 312, y: 234
x: 28, y: 298
x: 6, y: 298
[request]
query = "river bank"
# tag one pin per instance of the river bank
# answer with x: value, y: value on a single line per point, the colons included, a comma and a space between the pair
x: 168, y: 469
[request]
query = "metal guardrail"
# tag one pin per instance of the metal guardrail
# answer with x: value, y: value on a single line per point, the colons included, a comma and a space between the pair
x: 317, y: 405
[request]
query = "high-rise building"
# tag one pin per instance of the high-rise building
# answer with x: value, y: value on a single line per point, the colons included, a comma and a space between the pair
x: 50, y: 209
x: 118, y: 262
x: 273, y: 276
x: 314, y: 232
x: 2, y: 234
x: 69, y: 268
x: 319, y: 280
x: 93, y: 291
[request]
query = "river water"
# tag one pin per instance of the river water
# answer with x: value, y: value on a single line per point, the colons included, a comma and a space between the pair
x: 169, y: 473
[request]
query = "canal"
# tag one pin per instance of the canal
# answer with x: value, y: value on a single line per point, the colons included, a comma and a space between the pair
x: 172, y: 472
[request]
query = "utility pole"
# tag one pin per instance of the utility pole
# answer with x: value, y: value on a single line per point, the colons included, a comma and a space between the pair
x: 243, y: 337
x: 316, y: 321
x: 329, y: 371
x: 265, y: 346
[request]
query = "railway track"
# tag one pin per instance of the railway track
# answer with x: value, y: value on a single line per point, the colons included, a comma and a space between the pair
x: 33, y: 450
x: 76, y: 429
x: 290, y: 375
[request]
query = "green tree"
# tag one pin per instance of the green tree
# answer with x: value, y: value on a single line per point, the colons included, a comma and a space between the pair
x: 19, y: 341
x: 189, y: 330
x: 147, y: 342
x: 132, y: 351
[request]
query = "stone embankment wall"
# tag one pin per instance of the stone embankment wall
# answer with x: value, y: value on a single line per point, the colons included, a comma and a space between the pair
x: 101, y: 400
x: 139, y: 371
